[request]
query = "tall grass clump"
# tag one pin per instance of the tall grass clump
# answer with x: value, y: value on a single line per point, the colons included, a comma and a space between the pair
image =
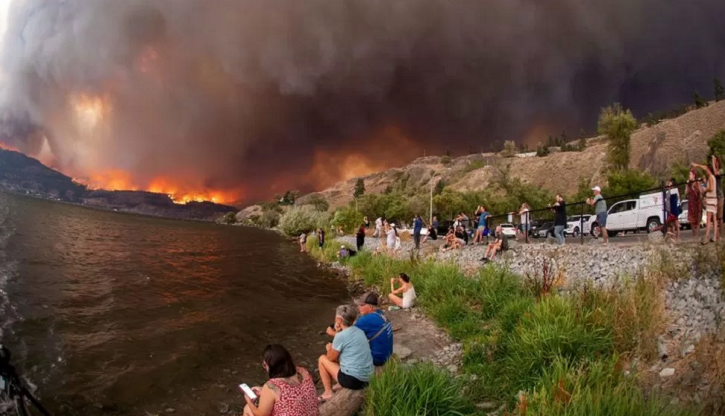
x: 592, y: 388
x: 419, y: 390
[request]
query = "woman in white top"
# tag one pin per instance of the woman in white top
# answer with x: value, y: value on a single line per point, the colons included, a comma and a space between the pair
x: 406, y: 288
x: 390, y: 241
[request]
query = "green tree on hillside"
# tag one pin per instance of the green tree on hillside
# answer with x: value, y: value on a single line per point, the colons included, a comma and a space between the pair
x: 719, y: 90
x: 439, y: 187
x: 582, y: 144
x: 359, y: 188
x: 617, y: 124
x: 717, y: 144
x: 627, y: 182
x: 699, y: 101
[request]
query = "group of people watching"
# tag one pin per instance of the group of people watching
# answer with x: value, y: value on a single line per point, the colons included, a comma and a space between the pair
x: 362, y: 340
x: 706, y: 191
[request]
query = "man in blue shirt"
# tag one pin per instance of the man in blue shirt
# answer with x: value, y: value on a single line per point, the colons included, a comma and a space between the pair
x: 377, y: 328
x: 482, y: 223
x: 417, y: 227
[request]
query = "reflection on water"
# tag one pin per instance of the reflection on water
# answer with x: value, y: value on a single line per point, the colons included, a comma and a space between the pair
x: 120, y: 310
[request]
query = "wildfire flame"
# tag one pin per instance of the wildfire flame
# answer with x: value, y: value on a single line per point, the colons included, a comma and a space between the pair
x: 89, y: 111
x: 118, y: 180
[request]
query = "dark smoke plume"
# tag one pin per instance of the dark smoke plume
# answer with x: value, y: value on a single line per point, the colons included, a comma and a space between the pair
x: 240, y: 93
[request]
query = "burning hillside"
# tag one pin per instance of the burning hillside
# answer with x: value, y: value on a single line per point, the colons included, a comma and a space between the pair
x: 230, y: 100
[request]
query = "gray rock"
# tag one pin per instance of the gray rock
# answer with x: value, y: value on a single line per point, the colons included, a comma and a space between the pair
x: 452, y: 368
x: 486, y: 405
x: 667, y: 372
x: 401, y: 351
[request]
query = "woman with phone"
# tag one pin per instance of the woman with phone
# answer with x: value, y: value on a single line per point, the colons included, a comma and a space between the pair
x: 288, y: 392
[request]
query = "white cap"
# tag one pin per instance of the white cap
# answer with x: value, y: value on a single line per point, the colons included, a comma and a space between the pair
x: 392, y: 225
x: 596, y: 188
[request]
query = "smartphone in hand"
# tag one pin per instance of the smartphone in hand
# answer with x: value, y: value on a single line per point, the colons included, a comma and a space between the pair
x: 248, y: 392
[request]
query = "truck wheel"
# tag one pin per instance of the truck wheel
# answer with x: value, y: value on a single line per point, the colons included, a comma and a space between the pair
x: 595, y: 231
x: 652, y: 223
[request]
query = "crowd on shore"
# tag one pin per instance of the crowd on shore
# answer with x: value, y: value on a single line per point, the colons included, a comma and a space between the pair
x: 362, y: 340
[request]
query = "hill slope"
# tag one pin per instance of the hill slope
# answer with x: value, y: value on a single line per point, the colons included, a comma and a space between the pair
x: 22, y: 174
x: 654, y: 150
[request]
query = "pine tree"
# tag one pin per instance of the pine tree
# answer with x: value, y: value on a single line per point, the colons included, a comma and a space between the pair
x: 719, y: 90
x: 699, y: 102
x: 359, y: 188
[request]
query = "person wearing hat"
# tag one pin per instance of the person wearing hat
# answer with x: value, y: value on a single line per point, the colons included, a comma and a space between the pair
x: 600, y: 210
x: 377, y: 328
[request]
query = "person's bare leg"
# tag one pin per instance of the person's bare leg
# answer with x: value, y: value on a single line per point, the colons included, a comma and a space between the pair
x: 707, y: 227
x: 605, y: 236
x: 396, y: 300
x: 247, y: 411
x: 677, y: 230
x: 328, y: 372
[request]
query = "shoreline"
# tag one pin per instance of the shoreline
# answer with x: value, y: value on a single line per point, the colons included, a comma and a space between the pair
x: 688, y: 293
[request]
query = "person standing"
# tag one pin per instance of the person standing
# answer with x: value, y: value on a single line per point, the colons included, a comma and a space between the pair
x: 694, y: 203
x: 525, y: 221
x: 600, y: 210
x: 719, y: 190
x: 360, y: 237
x: 673, y: 212
x: 417, y: 227
x: 482, y: 219
x: 710, y: 203
x: 321, y: 238
x: 559, y: 219
x: 303, y: 242
x: 378, y: 227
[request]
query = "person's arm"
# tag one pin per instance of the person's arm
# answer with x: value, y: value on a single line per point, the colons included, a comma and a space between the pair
x: 267, y: 398
x: 332, y: 354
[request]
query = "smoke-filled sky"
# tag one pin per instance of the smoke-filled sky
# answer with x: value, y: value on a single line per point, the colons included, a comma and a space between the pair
x: 259, y: 96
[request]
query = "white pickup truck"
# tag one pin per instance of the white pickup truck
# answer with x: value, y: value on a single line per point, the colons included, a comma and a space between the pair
x: 644, y: 213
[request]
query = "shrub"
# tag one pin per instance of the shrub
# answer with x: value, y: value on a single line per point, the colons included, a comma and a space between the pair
x: 418, y: 390
x: 229, y: 218
x: 617, y: 124
x: 302, y: 219
x: 359, y: 188
x: 509, y: 148
x: 699, y: 101
x: 716, y: 144
x: 318, y: 202
x: 445, y: 159
x: 719, y: 90
x: 626, y: 182
x: 348, y: 218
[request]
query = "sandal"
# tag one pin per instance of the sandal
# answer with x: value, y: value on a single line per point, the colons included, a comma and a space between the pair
x: 321, y: 399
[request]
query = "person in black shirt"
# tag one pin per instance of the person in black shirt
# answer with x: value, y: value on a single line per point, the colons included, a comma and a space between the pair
x: 559, y: 209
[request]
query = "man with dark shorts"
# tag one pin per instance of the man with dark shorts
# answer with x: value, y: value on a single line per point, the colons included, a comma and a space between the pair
x: 600, y: 210
x: 417, y: 227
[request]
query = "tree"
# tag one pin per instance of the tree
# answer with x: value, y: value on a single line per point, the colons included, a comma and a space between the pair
x: 617, y: 124
x: 582, y: 144
x: 717, y: 144
x: 318, y: 202
x: 719, y: 90
x: 440, y: 186
x: 509, y: 148
x: 347, y: 218
x: 628, y: 182
x: 359, y: 188
x: 699, y: 102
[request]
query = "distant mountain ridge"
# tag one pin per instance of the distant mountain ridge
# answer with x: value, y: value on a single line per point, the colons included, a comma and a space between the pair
x: 25, y: 175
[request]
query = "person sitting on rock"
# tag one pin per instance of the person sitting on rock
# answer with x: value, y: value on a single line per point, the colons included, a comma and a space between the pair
x: 452, y: 242
x: 500, y: 244
x: 407, y: 290
x: 377, y: 328
x: 289, y: 390
x: 348, y: 359
x: 345, y: 252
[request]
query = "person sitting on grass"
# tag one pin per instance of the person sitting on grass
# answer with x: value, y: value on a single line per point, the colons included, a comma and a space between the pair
x: 500, y: 244
x: 345, y: 252
x: 406, y: 288
x: 289, y: 390
x: 348, y: 359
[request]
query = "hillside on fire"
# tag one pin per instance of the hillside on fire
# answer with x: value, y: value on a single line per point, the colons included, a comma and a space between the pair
x: 24, y: 175
x: 656, y: 151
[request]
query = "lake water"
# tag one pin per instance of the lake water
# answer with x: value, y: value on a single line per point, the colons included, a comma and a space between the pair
x: 118, y: 314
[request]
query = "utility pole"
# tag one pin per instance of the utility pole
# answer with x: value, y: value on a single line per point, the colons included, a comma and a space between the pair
x: 430, y: 217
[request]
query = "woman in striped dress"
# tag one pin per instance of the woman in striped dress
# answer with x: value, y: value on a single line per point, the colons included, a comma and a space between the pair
x: 710, y: 202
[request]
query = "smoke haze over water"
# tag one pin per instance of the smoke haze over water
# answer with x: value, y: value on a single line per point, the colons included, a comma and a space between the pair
x: 268, y: 95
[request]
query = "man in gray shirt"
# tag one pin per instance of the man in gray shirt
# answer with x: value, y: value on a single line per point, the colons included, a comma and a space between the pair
x: 600, y: 210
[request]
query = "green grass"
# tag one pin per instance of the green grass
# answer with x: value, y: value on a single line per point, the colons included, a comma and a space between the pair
x: 420, y: 390
x: 515, y: 342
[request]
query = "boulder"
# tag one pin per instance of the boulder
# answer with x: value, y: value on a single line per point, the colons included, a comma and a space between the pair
x: 343, y: 403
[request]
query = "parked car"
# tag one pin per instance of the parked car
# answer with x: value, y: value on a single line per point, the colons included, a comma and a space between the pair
x: 545, y: 230
x: 509, y: 230
x: 574, y: 225
x: 644, y: 213
x: 684, y: 221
